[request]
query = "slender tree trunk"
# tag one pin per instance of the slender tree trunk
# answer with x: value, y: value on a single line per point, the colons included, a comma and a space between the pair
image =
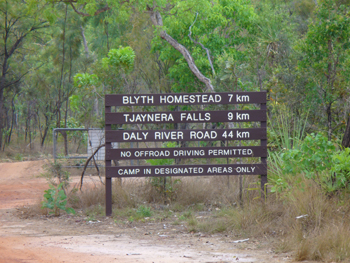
x: 64, y: 134
x: 346, y: 138
x: 46, y: 129
x: 329, y: 121
x: 44, y: 136
x: 107, y: 35
x: 84, y: 42
x: 1, y: 115
x: 12, y: 120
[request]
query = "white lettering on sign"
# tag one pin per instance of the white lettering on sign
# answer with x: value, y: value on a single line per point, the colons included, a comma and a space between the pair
x: 148, y: 117
x: 230, y: 152
x: 125, y: 154
x: 242, y: 98
x: 179, y: 170
x: 172, y: 135
x: 190, y: 98
x: 161, y: 153
x: 203, y: 135
x: 128, y: 171
x: 137, y: 136
x: 245, y: 169
x: 242, y: 116
x: 189, y: 153
x: 138, y: 99
x: 239, y: 98
x: 195, y: 116
x: 242, y: 134
x: 219, y: 170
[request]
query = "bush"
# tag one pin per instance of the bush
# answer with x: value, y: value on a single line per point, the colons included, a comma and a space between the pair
x: 56, y: 200
x: 313, y: 157
x: 340, y: 169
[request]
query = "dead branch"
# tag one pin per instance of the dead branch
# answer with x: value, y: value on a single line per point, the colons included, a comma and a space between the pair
x: 157, y: 20
x: 199, y: 43
x: 86, y: 164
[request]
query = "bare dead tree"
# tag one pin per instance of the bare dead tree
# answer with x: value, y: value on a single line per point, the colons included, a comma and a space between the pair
x: 86, y: 164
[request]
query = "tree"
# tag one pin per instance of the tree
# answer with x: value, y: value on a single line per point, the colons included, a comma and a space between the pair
x: 326, y: 56
x: 165, y: 15
x: 19, y: 21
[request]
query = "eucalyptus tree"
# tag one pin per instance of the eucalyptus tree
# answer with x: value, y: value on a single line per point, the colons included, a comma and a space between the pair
x: 60, y: 58
x: 212, y: 22
x: 19, y: 22
x: 326, y: 57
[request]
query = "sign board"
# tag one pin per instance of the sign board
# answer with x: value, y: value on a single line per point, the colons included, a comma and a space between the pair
x: 185, y: 99
x: 186, y: 170
x: 185, y: 116
x: 186, y: 135
x: 126, y: 116
x: 189, y: 152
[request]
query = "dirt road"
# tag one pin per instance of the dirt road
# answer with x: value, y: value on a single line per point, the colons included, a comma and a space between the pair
x: 75, y: 239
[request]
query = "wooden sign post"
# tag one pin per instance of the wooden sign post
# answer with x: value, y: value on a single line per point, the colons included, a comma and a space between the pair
x: 130, y: 118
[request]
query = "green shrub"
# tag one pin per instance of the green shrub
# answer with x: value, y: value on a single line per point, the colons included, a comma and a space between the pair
x: 144, y: 211
x: 313, y: 157
x: 340, y: 176
x: 56, y: 200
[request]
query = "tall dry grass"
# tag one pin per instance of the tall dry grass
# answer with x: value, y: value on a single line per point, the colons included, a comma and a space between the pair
x: 304, y: 221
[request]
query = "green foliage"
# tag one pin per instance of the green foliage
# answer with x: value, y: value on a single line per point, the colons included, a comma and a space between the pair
x: 285, y: 129
x: 143, y: 211
x: 326, y: 58
x: 312, y: 158
x: 121, y: 57
x: 341, y: 170
x: 56, y: 200
x: 164, y: 185
x: 211, y: 22
x: 85, y: 80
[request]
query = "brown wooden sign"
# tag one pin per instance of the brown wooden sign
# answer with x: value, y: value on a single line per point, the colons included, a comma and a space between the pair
x: 186, y: 135
x: 185, y: 170
x: 206, y: 116
x: 185, y: 99
x: 189, y: 152
x: 185, y: 116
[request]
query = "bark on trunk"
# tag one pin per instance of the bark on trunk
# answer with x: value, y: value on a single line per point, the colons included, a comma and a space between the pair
x: 346, y: 138
x: 156, y: 19
x: 329, y: 121
x: 64, y: 134
x: 1, y: 115
x: 85, y: 42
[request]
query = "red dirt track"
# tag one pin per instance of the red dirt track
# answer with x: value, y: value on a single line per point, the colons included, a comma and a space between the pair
x: 42, y: 239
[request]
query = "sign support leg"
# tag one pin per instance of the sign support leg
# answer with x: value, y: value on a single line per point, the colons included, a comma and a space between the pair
x: 263, y: 142
x: 108, y: 196
x: 108, y: 164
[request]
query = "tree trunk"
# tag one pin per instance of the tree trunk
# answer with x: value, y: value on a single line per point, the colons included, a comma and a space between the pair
x: 64, y: 134
x: 346, y: 138
x: 46, y: 129
x: 84, y: 42
x: 156, y: 19
x: 329, y: 120
x: 1, y: 114
x: 12, y: 120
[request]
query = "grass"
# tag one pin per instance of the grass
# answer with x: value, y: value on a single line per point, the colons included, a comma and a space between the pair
x: 211, y: 205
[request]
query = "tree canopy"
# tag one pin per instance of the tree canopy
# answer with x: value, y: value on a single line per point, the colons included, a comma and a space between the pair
x: 59, y: 58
